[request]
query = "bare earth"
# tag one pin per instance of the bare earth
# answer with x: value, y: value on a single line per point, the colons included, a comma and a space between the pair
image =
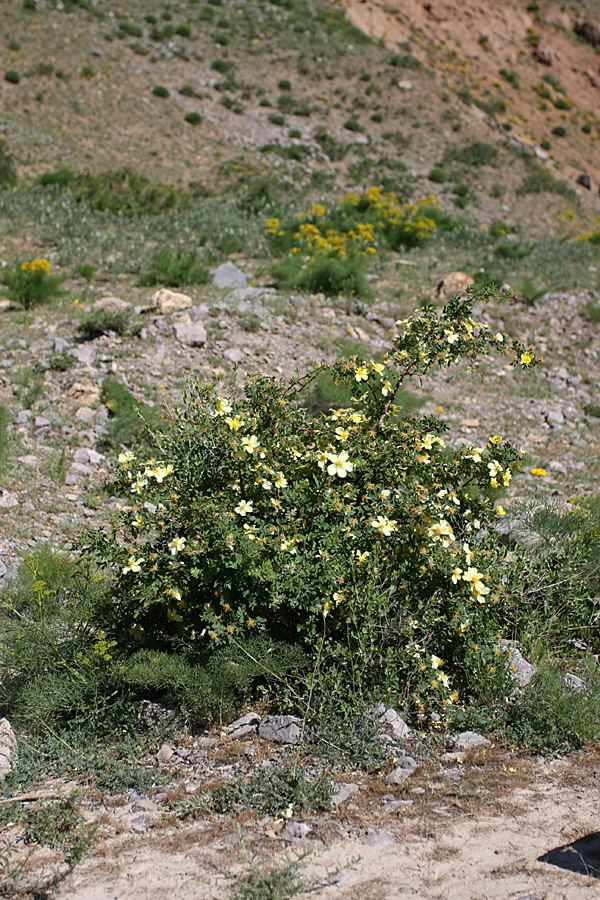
x: 478, y: 838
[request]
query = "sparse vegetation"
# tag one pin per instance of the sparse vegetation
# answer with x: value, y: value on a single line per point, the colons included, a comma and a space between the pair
x: 174, y: 268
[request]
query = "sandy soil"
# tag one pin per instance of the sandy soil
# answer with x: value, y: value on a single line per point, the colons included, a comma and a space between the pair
x: 482, y: 837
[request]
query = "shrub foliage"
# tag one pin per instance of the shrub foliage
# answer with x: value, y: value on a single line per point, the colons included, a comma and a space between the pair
x: 355, y: 533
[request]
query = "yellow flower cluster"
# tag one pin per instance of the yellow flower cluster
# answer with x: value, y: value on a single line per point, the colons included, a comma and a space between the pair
x: 332, y: 242
x: 36, y: 265
x: 391, y: 213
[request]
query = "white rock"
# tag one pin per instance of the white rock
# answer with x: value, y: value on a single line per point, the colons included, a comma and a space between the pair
x: 467, y: 740
x: 229, y: 276
x: 517, y: 666
x: 193, y: 334
x: 170, y: 301
x: 343, y: 791
x: 9, y: 750
x: 234, y: 354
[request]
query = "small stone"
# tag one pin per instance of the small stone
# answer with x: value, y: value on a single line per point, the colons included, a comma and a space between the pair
x: 391, y: 719
x: 244, y: 725
x: 343, y: 791
x: 468, y: 740
x: 7, y: 501
x: 234, y: 354
x: 378, y: 838
x: 170, y: 301
x: 42, y: 422
x: 282, y: 729
x: 417, y: 790
x: 454, y: 283
x: 229, y: 276
x: 404, y: 768
x: 83, y: 393
x: 574, y: 683
x: 470, y: 423
x: 144, y: 804
x: 28, y: 460
x: 517, y: 666
x: 555, y: 417
x: 193, y: 334
x: 3, y: 570
x: 297, y: 830
x: 85, y: 354
x: 9, y: 750
x: 82, y: 469
x: 110, y: 303
x: 84, y: 414
x: 86, y: 455
x: 165, y: 753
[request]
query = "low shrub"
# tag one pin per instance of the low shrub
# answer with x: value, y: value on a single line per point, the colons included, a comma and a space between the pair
x: 105, y: 321
x: 222, y: 66
x: 539, y: 180
x: 174, y: 268
x: 122, y: 192
x: 559, y: 131
x: 160, y: 90
x: 8, y: 169
x: 478, y: 153
x: 131, y: 421
x: 30, y: 283
x: 354, y: 534
x: 193, y: 118
x: 12, y: 77
x: 323, y: 274
x: 437, y: 175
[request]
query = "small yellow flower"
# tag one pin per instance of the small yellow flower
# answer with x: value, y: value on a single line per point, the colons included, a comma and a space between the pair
x: 362, y: 373
x: 527, y: 358
x: 342, y: 434
x: 176, y: 545
x: 541, y: 473
x: 223, y: 407
x: 500, y: 511
x: 174, y: 616
x: 250, y: 444
x: 494, y: 467
x: 384, y: 525
x: 281, y: 480
x: 495, y: 439
x: 340, y: 465
x: 126, y: 457
x: 436, y: 662
x: 133, y: 565
x: 244, y: 507
x: 234, y: 423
